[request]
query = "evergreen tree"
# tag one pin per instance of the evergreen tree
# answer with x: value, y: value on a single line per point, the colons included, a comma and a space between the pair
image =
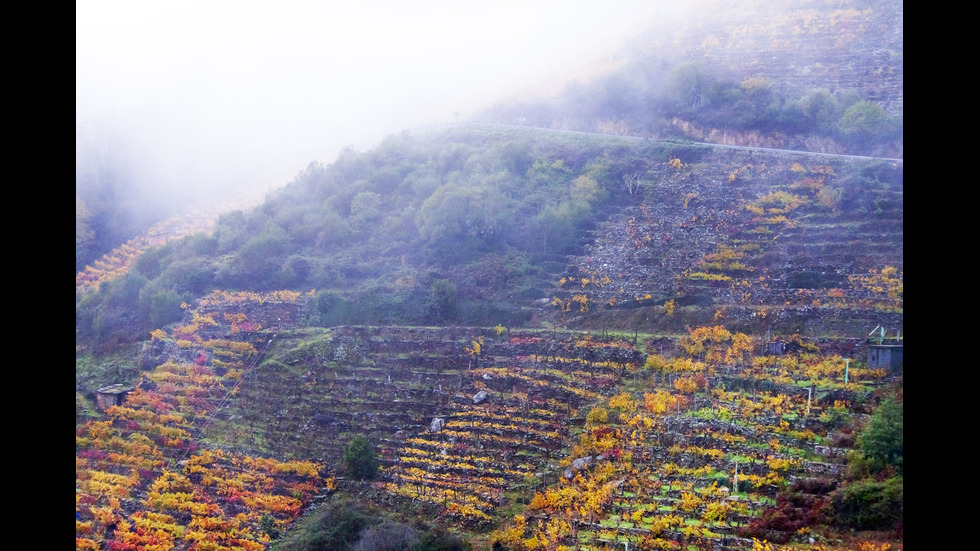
x: 882, y: 439
x: 360, y: 460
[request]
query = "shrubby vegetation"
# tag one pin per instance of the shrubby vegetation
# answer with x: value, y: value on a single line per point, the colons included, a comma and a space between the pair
x: 452, y: 227
x: 881, y: 442
x: 873, y: 498
x: 346, y: 525
x: 443, y: 228
x: 360, y: 460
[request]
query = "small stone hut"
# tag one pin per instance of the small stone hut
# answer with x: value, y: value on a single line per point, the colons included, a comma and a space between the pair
x: 112, y: 395
x: 775, y: 348
x: 885, y: 356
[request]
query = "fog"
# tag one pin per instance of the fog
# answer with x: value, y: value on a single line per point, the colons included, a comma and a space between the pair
x: 191, y: 96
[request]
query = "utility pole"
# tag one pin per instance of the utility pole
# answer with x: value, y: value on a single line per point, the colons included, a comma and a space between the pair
x: 735, y: 484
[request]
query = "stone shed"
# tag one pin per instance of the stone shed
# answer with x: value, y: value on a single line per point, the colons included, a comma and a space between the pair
x: 775, y: 348
x: 885, y: 356
x: 112, y: 395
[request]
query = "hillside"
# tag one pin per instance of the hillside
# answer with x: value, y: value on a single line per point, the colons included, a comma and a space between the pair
x: 744, y: 246
x: 808, y: 75
x: 475, y: 430
x: 477, y: 224
x: 799, y: 243
x: 571, y: 327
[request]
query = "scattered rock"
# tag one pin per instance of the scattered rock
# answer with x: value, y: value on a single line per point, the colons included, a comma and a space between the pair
x: 324, y: 419
x: 578, y: 465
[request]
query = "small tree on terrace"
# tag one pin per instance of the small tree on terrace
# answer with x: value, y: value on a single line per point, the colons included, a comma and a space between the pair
x: 882, y: 440
x: 443, y: 300
x: 360, y: 460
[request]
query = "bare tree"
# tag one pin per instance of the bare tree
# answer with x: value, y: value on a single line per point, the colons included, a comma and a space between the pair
x: 632, y: 181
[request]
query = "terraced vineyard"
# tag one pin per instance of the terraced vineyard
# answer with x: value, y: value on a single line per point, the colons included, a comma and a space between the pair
x: 681, y: 356
x: 463, y: 418
x: 143, y: 480
x: 799, y: 243
x: 707, y: 453
x: 561, y: 439
x: 462, y: 423
x: 539, y: 438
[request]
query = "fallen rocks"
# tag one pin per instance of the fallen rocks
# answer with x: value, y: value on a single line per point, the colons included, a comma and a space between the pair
x: 577, y: 465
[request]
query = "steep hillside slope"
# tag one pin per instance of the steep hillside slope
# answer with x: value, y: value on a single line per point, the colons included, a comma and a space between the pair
x: 476, y: 224
x: 550, y: 338
x: 801, y: 242
x: 526, y: 439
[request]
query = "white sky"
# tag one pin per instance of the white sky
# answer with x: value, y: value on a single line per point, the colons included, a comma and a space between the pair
x: 256, y: 90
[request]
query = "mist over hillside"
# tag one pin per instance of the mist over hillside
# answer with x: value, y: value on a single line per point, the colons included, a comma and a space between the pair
x: 807, y: 76
x: 800, y: 75
x: 476, y: 224
x: 473, y: 225
x: 183, y: 105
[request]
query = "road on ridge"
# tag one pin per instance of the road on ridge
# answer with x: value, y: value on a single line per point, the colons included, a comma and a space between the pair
x: 661, y: 140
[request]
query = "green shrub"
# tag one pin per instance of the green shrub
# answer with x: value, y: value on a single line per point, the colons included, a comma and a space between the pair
x: 442, y: 305
x: 268, y: 525
x: 360, y: 460
x: 882, y: 440
x: 335, y: 526
x: 388, y: 536
x: 439, y: 539
x: 327, y: 309
x: 160, y: 306
x: 347, y: 525
x: 870, y: 505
